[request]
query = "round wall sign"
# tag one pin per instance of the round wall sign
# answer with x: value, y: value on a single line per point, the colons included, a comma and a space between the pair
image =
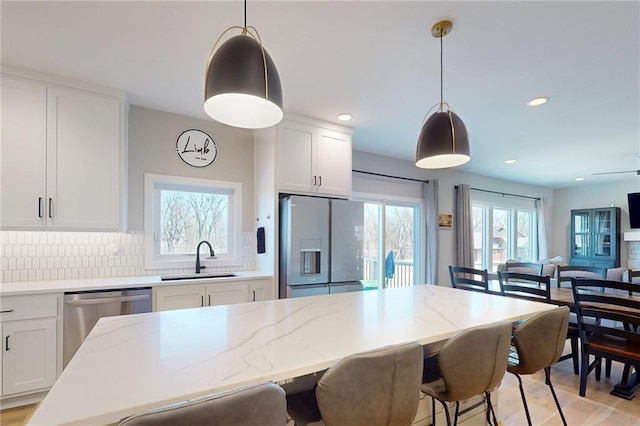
x: 196, y: 148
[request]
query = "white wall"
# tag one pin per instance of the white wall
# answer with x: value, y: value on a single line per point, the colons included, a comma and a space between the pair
x: 447, y: 179
x: 586, y: 197
x: 152, y: 149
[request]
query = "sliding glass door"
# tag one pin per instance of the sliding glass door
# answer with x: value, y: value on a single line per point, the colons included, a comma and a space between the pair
x: 391, y: 244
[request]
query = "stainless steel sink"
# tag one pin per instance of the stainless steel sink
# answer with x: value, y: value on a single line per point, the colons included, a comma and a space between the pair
x: 197, y: 276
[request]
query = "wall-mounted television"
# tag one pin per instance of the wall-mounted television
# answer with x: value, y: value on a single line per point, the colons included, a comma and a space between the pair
x: 634, y: 209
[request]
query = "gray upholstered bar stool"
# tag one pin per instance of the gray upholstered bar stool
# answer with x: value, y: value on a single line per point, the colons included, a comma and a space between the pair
x: 375, y: 388
x: 472, y: 362
x: 257, y: 405
x: 538, y: 343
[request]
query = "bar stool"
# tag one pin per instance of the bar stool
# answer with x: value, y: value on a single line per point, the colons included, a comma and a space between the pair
x: 256, y: 405
x: 375, y: 388
x: 472, y: 362
x: 538, y: 343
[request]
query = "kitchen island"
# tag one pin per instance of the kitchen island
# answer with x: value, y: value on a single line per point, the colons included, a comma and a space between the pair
x: 131, y: 363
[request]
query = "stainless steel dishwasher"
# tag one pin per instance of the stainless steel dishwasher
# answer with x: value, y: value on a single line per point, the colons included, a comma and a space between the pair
x: 82, y: 310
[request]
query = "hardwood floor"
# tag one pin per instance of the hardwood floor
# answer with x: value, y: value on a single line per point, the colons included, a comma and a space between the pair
x: 597, y: 408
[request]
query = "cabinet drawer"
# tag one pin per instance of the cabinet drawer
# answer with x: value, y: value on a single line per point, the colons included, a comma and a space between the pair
x: 28, y: 307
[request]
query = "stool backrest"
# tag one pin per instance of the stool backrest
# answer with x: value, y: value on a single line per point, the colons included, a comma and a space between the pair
x: 380, y: 387
x: 474, y: 361
x: 540, y: 340
x: 257, y: 405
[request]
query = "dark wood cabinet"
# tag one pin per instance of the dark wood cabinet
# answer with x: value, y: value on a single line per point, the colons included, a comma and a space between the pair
x: 595, y: 237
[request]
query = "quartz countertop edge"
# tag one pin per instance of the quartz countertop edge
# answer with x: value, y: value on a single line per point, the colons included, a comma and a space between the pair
x: 19, y: 288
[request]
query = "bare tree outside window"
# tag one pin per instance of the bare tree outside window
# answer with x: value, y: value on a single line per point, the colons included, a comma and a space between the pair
x: 190, y: 217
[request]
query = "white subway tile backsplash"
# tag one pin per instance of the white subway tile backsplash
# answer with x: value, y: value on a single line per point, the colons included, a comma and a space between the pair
x: 38, y: 256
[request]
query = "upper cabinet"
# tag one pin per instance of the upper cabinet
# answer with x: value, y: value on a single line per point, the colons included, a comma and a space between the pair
x: 62, y: 157
x: 313, y: 159
x: 595, y: 237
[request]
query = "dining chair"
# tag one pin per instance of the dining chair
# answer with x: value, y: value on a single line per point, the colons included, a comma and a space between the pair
x: 375, y: 388
x: 537, y: 344
x: 634, y: 278
x: 538, y: 288
x: 469, y: 278
x: 524, y: 267
x: 473, y: 362
x: 604, y: 338
x: 564, y: 274
x: 256, y: 405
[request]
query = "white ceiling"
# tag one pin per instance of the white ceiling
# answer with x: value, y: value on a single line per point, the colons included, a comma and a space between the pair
x: 378, y: 61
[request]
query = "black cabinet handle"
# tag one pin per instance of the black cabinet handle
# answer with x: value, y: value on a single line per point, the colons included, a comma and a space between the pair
x: 6, y: 343
x: 314, y: 181
x: 209, y: 300
x: 50, y: 208
x: 320, y: 179
x: 201, y: 300
x: 39, y: 206
x: 6, y: 312
x: 254, y: 295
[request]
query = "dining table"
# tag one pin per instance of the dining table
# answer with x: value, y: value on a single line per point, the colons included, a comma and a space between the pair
x: 131, y: 363
x: 563, y: 296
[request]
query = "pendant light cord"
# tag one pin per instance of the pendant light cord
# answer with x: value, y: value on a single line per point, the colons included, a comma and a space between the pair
x: 441, y: 72
x: 245, y: 13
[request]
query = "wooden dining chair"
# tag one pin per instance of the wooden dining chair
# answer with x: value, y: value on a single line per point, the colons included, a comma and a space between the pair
x: 537, y: 344
x: 524, y: 267
x: 634, y: 278
x: 469, y: 278
x: 254, y: 405
x: 564, y: 274
x: 538, y: 288
x: 604, y: 338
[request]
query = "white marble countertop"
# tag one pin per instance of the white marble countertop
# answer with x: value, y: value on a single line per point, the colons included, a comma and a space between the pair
x: 59, y: 286
x: 130, y: 363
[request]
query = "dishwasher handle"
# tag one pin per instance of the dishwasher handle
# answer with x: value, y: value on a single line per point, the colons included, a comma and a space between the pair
x: 78, y: 302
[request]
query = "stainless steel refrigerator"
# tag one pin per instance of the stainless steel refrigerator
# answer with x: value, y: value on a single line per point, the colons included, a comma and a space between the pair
x: 321, y: 246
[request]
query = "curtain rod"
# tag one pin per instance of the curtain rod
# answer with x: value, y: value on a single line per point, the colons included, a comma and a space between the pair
x: 389, y: 176
x: 503, y: 193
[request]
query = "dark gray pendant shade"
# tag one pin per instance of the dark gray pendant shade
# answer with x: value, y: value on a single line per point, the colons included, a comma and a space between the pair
x: 443, y: 142
x: 236, y: 92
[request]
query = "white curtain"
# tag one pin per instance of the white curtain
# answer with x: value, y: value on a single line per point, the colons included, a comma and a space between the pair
x: 463, y: 227
x: 542, y: 207
x: 430, y: 196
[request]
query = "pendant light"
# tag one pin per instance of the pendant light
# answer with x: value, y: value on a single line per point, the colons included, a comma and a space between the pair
x: 242, y: 86
x: 443, y: 140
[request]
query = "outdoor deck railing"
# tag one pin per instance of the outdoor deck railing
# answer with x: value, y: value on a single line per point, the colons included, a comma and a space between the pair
x: 402, y: 276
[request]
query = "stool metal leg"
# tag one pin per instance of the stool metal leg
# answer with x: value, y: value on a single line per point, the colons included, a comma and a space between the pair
x: 555, y: 398
x: 493, y: 413
x: 524, y: 399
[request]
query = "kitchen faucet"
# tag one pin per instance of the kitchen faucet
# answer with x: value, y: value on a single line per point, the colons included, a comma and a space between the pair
x: 212, y: 254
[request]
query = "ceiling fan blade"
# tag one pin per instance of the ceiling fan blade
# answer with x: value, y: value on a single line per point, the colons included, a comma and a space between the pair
x: 613, y: 173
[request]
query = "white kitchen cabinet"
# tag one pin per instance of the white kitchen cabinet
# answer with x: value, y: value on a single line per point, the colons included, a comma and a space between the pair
x: 62, y: 151
x: 313, y: 159
x: 30, y: 340
x: 184, y: 296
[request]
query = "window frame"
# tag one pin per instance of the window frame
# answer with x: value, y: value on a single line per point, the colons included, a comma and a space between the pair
x: 514, y: 207
x: 153, y: 185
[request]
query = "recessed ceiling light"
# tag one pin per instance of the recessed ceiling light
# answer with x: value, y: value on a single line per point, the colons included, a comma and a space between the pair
x: 538, y: 101
x: 579, y: 179
x: 510, y: 161
x: 344, y: 117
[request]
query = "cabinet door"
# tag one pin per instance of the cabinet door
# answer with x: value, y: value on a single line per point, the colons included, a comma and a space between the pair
x: 29, y: 355
x: 23, y: 153
x: 333, y: 163
x: 227, y: 293
x: 179, y: 297
x: 581, y: 234
x: 260, y: 290
x: 84, y: 142
x: 295, y: 157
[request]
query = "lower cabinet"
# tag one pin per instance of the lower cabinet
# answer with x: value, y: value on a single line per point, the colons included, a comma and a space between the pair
x: 30, y: 334
x: 198, y: 295
x: 29, y: 355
